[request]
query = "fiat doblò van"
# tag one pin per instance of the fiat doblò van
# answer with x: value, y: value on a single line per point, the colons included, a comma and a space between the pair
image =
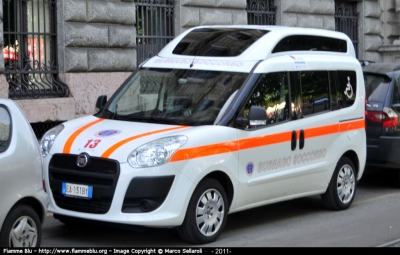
x: 223, y: 119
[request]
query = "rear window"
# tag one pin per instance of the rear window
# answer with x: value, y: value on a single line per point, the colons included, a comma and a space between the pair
x: 310, y: 43
x: 376, y: 87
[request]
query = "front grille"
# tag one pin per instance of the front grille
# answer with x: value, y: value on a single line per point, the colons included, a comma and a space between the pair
x: 95, y: 165
x: 100, y: 173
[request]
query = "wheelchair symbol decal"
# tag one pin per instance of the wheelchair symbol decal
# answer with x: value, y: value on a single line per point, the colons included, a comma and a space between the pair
x: 349, y: 89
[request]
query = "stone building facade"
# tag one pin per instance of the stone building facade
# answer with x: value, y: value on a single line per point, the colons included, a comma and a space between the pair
x: 97, y: 41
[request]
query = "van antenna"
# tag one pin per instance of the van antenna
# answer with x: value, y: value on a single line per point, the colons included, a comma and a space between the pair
x: 201, y: 45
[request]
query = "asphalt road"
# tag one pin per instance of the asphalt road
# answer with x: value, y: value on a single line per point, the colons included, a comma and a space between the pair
x: 371, y: 221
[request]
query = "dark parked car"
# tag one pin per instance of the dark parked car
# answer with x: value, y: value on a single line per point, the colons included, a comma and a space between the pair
x: 382, y: 81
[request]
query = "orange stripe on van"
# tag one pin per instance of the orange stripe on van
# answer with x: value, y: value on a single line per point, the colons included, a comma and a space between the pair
x: 203, y: 151
x: 353, y: 125
x: 113, y: 148
x: 71, y: 139
x: 250, y: 143
x: 259, y: 141
x: 232, y: 146
x: 320, y: 131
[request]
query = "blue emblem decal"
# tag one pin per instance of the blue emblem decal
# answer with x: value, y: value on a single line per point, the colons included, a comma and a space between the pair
x: 108, y: 132
x: 250, y: 168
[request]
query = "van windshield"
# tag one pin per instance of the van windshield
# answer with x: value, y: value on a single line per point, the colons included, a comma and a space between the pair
x: 175, y: 96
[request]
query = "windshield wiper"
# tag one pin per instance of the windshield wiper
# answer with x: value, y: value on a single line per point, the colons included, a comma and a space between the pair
x: 171, y: 121
x: 112, y: 115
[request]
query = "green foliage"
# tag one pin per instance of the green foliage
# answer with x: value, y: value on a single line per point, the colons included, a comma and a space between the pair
x: 270, y: 91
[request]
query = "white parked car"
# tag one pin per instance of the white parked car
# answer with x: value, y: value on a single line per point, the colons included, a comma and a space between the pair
x: 23, y: 201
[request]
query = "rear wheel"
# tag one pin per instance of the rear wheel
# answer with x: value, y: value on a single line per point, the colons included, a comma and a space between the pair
x: 206, y: 214
x: 21, y: 228
x: 342, y: 187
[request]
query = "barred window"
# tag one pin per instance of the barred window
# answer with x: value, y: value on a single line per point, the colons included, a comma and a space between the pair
x: 346, y: 20
x: 154, y: 27
x: 30, y: 49
x: 261, y: 12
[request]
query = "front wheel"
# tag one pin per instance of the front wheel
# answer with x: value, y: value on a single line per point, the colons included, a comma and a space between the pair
x: 342, y: 187
x: 21, y: 228
x: 206, y: 214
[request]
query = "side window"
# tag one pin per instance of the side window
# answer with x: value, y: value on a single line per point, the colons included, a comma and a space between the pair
x: 396, y: 92
x: 310, y: 93
x: 376, y: 87
x: 396, y: 95
x: 5, y: 128
x: 346, y: 88
x: 334, y: 91
x: 315, y: 92
x: 272, y: 93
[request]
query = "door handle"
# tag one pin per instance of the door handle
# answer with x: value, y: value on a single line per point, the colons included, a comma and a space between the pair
x: 294, y: 140
x: 301, y: 142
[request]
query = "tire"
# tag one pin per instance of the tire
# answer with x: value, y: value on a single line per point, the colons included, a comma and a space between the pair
x: 342, y: 187
x: 204, y: 226
x: 21, y: 228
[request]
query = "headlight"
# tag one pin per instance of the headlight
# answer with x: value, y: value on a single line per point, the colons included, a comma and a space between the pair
x: 48, y: 139
x: 157, y: 152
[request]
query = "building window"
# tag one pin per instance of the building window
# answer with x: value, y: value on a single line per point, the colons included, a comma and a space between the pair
x: 261, y: 12
x: 30, y: 49
x: 154, y: 27
x: 346, y: 20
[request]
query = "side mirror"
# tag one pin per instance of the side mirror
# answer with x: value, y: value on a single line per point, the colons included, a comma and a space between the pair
x: 100, y: 103
x: 257, y: 116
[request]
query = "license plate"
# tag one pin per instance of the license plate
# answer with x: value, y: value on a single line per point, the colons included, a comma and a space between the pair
x: 76, y: 190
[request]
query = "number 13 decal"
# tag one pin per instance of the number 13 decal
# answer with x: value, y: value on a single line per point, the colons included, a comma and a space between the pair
x: 92, y: 144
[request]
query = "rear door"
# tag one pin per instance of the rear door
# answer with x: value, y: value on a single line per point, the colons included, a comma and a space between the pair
x: 317, y: 129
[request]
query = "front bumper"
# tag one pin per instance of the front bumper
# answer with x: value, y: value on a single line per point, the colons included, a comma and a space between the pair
x: 153, y: 197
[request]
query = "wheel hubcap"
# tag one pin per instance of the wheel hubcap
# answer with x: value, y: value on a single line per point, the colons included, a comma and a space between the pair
x: 23, y: 233
x: 210, y: 212
x: 346, y: 184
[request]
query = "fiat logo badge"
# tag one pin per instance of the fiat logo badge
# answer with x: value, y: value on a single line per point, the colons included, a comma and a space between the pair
x: 82, y: 160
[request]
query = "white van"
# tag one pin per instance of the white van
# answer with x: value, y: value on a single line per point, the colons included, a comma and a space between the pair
x: 223, y: 119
